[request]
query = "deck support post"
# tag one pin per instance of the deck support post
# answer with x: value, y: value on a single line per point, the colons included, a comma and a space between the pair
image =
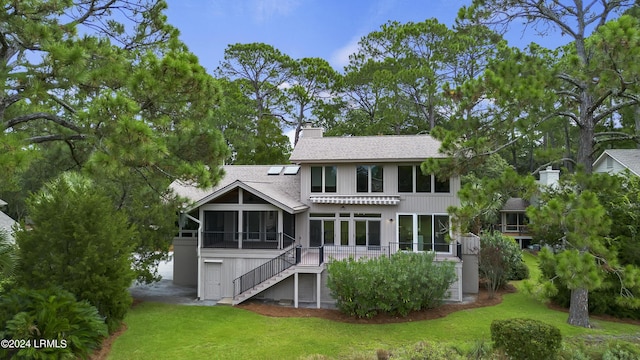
x: 318, y: 289
x: 295, y: 290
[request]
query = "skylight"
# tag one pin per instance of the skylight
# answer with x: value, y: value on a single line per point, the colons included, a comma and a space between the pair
x: 275, y: 170
x: 291, y: 170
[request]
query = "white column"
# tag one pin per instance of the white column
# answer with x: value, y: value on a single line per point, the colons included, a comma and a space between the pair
x: 318, y: 287
x: 295, y: 290
x: 280, y: 229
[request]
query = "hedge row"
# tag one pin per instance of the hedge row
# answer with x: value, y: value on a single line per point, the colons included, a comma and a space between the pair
x: 394, y: 285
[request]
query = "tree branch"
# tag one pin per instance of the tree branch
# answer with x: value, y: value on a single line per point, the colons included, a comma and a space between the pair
x: 49, y: 138
x: 613, y: 109
x: 551, y: 163
x: 41, y: 116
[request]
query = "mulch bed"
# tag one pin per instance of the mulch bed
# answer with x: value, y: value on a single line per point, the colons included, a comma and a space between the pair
x: 335, y: 315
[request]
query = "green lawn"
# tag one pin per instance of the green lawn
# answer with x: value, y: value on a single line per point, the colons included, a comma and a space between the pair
x: 162, y: 331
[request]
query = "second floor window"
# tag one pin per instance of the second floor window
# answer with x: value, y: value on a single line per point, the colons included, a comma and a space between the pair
x: 369, y: 178
x: 411, y: 179
x: 323, y: 179
x: 408, y: 175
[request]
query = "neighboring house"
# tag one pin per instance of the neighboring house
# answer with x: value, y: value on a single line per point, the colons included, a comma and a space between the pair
x: 6, y: 222
x: 513, y: 217
x: 614, y: 161
x: 268, y: 231
x: 514, y: 221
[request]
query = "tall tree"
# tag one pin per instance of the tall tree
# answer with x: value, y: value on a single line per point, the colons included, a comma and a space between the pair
x: 108, y: 86
x: 396, y: 76
x: 79, y: 242
x: 597, y: 75
x: 262, y: 73
x: 310, y: 88
x: 405, y: 78
x: 573, y: 219
x: 595, y: 78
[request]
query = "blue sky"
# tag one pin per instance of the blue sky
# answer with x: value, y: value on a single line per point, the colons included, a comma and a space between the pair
x: 329, y: 29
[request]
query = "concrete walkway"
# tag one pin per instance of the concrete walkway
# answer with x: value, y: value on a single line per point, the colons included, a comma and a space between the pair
x: 166, y: 291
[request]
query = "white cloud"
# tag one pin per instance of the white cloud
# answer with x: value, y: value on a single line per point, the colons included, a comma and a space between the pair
x: 264, y: 10
x: 291, y: 134
x: 340, y: 58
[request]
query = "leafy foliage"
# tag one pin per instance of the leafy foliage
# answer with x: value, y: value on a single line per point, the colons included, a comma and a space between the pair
x: 81, y: 243
x: 579, y: 87
x: 526, y: 338
x: 573, y: 219
x: 395, y: 285
x: 107, y: 88
x: 485, y: 191
x: 500, y: 261
x: 620, y: 350
x: 8, y: 258
x: 49, y: 314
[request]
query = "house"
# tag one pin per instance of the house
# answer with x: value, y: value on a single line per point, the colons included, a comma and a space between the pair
x: 6, y: 222
x: 614, y: 161
x: 513, y: 221
x: 513, y: 217
x: 268, y: 231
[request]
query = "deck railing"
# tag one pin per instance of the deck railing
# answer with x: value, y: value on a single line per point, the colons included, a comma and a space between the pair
x: 245, y: 240
x: 264, y: 272
x: 316, y: 256
x: 512, y: 228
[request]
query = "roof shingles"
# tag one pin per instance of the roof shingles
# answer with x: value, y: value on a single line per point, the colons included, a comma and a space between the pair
x: 366, y: 148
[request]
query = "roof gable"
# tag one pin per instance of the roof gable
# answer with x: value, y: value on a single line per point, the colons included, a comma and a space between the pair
x: 282, y: 191
x: 628, y: 158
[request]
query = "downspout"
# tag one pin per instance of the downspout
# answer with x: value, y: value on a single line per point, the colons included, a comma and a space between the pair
x: 199, y: 246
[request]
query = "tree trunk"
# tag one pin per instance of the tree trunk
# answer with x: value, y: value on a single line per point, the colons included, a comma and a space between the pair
x: 586, y: 127
x: 579, y: 308
x: 637, y: 120
x: 567, y: 143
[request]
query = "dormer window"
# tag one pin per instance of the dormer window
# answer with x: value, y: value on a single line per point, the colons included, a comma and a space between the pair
x: 369, y: 178
x: 323, y: 179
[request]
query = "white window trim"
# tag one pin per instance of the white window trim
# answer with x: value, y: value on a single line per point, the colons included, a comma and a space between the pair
x: 415, y: 230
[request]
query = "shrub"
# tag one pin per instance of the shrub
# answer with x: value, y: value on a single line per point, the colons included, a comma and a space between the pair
x: 519, y: 271
x: 426, y: 351
x: 500, y: 261
x: 621, y: 350
x: 396, y: 285
x: 74, y: 327
x: 526, y: 338
x: 79, y: 242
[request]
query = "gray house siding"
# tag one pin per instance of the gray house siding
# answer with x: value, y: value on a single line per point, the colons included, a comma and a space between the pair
x: 361, y: 221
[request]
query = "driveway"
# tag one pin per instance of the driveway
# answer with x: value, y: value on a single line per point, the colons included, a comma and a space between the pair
x: 165, y: 290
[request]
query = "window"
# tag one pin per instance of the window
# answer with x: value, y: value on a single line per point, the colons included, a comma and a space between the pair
x: 316, y: 179
x: 408, y: 175
x: 405, y: 178
x: 323, y: 179
x: 442, y: 186
x: 330, y: 179
x: 515, y: 222
x: 368, y: 232
x: 322, y: 229
x: 423, y: 182
x: 417, y: 232
x: 344, y: 233
x: 369, y: 178
x: 260, y: 225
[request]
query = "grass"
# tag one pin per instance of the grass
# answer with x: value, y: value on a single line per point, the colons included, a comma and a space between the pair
x: 163, y: 331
